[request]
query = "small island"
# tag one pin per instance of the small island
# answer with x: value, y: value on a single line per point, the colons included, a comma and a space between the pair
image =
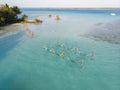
x: 11, y: 15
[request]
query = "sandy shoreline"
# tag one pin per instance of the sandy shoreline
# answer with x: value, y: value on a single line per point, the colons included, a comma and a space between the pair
x: 28, y: 22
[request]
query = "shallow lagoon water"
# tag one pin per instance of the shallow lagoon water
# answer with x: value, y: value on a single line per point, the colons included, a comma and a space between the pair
x: 28, y: 63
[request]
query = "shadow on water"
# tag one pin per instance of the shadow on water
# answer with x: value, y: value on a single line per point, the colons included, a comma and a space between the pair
x: 10, y: 83
x: 109, y: 32
x: 8, y: 43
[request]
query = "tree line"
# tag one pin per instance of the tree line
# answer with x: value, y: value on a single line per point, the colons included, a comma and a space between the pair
x: 10, y: 15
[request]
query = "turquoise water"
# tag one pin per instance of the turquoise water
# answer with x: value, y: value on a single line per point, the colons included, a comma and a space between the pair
x: 75, y: 53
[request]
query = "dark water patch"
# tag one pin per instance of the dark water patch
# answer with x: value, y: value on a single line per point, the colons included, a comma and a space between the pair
x: 109, y: 32
x: 10, y: 83
x: 8, y: 43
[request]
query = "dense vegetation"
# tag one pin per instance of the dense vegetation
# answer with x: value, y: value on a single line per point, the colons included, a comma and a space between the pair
x: 10, y: 15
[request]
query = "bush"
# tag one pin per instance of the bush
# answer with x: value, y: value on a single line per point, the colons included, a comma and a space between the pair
x: 37, y: 20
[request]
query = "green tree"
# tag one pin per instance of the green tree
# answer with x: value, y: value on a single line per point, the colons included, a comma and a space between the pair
x: 9, y: 15
x: 6, y: 5
x: 24, y: 17
x: 2, y: 20
x: 16, y: 10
